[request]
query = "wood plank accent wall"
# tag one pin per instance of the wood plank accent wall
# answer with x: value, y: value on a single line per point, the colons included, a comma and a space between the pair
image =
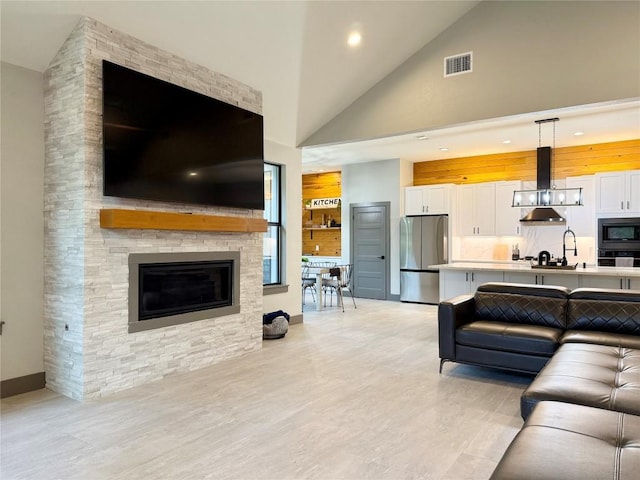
x: 321, y: 185
x: 566, y: 162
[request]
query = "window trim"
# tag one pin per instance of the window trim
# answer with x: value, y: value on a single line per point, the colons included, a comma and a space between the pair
x: 278, y: 225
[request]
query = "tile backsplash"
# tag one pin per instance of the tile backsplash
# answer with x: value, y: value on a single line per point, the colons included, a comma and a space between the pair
x: 534, y: 239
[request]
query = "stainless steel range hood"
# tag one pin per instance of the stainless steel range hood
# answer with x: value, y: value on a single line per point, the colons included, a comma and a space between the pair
x: 543, y: 214
x: 545, y: 197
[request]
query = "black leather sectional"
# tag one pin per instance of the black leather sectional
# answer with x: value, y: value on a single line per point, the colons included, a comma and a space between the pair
x: 582, y: 410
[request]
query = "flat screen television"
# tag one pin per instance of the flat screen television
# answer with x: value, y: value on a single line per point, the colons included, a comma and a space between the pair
x: 167, y: 143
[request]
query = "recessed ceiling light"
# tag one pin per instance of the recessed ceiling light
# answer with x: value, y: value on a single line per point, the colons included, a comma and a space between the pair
x: 444, y: 149
x: 354, y: 39
x: 577, y: 134
x: 193, y: 174
x: 506, y: 142
x: 422, y: 137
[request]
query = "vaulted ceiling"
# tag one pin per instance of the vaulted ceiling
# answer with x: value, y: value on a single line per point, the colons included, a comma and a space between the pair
x: 295, y: 52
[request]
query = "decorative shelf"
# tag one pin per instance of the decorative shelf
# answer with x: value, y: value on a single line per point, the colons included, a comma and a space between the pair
x: 154, y: 220
x: 322, y: 228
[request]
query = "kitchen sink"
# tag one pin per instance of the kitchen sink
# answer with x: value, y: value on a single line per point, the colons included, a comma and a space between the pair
x: 555, y: 267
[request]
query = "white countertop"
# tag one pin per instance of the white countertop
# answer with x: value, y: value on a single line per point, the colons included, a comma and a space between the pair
x: 524, y: 266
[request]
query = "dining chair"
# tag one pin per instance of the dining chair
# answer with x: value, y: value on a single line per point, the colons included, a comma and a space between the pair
x: 308, y: 281
x: 322, y: 264
x: 341, y: 279
x: 325, y: 276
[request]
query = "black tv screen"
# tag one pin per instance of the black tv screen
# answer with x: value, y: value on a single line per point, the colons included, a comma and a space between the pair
x: 164, y: 142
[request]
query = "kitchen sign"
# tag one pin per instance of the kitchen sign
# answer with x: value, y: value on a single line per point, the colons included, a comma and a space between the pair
x: 324, y: 203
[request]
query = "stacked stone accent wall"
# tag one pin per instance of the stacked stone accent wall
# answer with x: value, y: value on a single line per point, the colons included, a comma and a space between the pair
x: 88, y: 350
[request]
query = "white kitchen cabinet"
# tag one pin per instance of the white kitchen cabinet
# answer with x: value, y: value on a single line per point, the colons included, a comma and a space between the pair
x: 582, y: 219
x: 477, y: 209
x: 428, y: 200
x: 569, y: 280
x: 507, y: 217
x: 618, y: 283
x: 459, y: 282
x: 618, y: 192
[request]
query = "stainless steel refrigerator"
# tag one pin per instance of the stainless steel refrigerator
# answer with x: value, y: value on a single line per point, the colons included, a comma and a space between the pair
x: 423, y: 242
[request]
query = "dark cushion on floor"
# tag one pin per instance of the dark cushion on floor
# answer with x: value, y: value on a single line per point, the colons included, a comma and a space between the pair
x: 594, y: 375
x: 278, y: 328
x: 510, y: 337
x: 564, y: 441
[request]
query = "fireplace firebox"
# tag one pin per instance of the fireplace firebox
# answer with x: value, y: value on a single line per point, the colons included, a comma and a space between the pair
x: 174, y: 288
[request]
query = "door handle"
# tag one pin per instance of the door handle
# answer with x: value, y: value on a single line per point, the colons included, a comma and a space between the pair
x: 1, y: 324
x: 381, y: 257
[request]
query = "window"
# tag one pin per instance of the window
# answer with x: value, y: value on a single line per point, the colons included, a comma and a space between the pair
x: 272, y: 213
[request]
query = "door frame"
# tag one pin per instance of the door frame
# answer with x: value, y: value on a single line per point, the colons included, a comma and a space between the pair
x: 387, y: 240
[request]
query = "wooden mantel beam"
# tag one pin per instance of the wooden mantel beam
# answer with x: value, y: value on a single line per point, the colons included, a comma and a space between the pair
x: 154, y: 220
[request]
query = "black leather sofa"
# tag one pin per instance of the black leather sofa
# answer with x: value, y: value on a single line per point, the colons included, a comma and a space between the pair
x: 519, y: 327
x: 582, y: 411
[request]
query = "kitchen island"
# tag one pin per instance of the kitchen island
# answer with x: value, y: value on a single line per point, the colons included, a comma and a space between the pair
x: 464, y: 277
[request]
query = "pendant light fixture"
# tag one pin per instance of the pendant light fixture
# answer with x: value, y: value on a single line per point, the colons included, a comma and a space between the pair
x: 545, y: 196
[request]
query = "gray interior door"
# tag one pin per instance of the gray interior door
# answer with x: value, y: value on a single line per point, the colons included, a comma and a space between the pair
x: 370, y: 250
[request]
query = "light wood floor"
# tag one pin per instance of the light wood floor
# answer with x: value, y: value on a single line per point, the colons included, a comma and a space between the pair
x: 349, y: 395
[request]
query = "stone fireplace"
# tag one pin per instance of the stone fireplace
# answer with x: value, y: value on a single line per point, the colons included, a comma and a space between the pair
x: 89, y: 350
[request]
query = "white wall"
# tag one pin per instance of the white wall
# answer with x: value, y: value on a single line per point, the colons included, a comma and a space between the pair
x: 375, y: 182
x: 22, y: 132
x: 528, y: 56
x: 289, y: 158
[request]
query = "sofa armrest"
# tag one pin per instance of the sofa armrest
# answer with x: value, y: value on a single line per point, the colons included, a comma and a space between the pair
x: 452, y: 314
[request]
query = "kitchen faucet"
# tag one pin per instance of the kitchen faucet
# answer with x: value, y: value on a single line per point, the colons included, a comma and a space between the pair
x: 564, y: 246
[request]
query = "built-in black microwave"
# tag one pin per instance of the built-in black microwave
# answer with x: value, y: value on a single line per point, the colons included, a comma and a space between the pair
x: 618, y: 238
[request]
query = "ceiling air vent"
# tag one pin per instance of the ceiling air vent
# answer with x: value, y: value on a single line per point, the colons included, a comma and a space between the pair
x: 458, y: 64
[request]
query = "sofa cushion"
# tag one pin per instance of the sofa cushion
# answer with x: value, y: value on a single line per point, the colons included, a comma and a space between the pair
x: 560, y: 440
x: 510, y: 337
x: 605, y: 294
x: 593, y: 375
x: 549, y: 291
x: 522, y: 309
x: 514, y: 361
x: 604, y: 311
x: 601, y: 338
